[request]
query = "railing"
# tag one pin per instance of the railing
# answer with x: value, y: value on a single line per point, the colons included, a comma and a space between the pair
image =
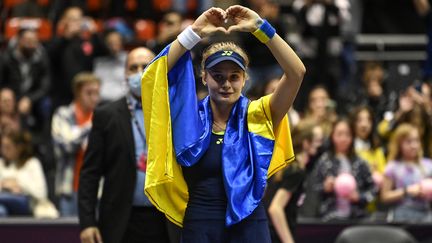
x: 391, y: 47
x: 66, y: 230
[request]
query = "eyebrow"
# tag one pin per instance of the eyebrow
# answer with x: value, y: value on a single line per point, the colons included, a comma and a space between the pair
x: 221, y: 71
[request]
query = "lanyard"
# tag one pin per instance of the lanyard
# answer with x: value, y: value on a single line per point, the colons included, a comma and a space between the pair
x: 135, y: 121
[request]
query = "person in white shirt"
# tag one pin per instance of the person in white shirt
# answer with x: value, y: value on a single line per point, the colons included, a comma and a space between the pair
x: 22, y: 181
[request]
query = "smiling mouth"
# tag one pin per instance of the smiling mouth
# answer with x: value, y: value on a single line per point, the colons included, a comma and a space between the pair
x: 225, y: 94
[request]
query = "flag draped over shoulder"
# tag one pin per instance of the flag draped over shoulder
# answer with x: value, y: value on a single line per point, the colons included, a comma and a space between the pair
x: 178, y: 129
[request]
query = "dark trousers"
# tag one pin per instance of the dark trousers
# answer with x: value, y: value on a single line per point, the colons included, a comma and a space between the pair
x: 206, y: 231
x: 14, y: 205
x: 146, y: 225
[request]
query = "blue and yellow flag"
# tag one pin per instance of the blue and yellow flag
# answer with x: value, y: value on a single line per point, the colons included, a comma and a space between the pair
x: 178, y: 129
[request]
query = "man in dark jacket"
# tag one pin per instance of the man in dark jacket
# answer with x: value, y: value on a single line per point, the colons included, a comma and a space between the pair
x: 72, y: 51
x: 25, y: 69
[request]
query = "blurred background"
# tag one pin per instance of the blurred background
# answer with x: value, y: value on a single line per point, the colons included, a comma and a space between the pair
x: 369, y: 63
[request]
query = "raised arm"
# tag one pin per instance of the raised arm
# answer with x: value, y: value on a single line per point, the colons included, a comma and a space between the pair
x: 207, y: 23
x: 422, y: 7
x: 247, y: 20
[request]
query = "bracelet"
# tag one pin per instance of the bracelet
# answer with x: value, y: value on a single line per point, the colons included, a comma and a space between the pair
x: 265, y: 32
x: 188, y: 38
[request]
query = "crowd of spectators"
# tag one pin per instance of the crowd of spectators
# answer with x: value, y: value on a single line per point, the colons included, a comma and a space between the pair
x: 366, y: 128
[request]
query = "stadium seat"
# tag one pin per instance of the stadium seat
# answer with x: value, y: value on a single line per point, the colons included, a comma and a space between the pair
x: 43, y: 27
x: 94, y: 5
x: 145, y: 29
x: 43, y: 3
x: 7, y: 4
x: 374, y: 234
x: 162, y: 5
x: 131, y: 5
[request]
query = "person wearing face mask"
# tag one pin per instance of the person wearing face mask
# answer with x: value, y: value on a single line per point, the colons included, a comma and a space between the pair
x: 117, y: 152
x: 25, y: 68
x: 69, y: 130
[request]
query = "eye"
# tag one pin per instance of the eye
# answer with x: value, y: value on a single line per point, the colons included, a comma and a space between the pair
x: 235, y: 77
x: 218, y: 77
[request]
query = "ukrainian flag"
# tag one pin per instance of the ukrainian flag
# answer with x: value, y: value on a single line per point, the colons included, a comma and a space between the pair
x: 178, y: 129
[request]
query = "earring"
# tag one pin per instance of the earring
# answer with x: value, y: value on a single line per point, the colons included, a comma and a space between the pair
x: 205, y: 83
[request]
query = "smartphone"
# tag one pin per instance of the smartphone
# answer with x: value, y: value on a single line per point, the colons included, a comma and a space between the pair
x: 418, y: 86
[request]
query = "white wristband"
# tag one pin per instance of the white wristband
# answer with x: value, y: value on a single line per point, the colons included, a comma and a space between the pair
x: 188, y: 38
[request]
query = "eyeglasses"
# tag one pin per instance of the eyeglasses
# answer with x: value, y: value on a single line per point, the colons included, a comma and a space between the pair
x: 137, y: 66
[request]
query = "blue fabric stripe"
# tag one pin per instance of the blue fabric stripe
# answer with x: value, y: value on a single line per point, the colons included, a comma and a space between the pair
x: 187, y: 126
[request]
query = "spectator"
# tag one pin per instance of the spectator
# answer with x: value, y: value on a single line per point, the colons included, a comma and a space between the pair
x: 341, y: 158
x: 366, y: 141
x: 70, y: 128
x: 372, y: 92
x: 403, y: 174
x: 321, y: 109
x: 320, y: 47
x: 415, y: 108
x: 169, y: 27
x: 22, y: 181
x: 72, y: 51
x: 9, y: 117
x: 25, y: 68
x: 423, y: 9
x: 110, y: 69
x: 308, y: 137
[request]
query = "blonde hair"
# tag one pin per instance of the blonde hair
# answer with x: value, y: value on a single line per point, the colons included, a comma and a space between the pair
x: 82, y: 79
x: 401, y: 133
x: 223, y: 46
x: 370, y: 70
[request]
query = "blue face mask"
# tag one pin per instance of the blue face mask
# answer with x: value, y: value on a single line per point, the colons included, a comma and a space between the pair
x: 134, y: 83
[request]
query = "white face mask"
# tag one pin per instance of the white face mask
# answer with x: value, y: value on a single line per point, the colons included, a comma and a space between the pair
x: 134, y: 83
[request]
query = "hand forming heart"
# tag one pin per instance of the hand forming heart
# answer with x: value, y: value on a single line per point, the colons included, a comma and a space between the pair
x: 235, y: 18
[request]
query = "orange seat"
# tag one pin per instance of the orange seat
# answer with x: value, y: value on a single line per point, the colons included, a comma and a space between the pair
x: 11, y: 3
x: 94, y: 5
x: 145, y: 29
x: 131, y: 5
x: 162, y: 5
x: 43, y: 27
x: 43, y: 2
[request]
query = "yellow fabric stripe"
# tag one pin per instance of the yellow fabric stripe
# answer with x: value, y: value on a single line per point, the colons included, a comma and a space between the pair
x: 218, y: 133
x: 261, y: 36
x: 164, y: 185
x: 259, y: 118
x: 260, y: 123
x: 283, y: 151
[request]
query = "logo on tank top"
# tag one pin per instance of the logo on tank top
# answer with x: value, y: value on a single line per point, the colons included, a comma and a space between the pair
x: 219, y: 141
x: 227, y: 53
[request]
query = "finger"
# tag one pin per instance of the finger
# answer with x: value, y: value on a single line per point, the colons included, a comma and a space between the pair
x: 234, y: 10
x: 98, y: 237
x: 234, y: 28
x: 222, y: 12
x: 221, y: 29
x: 91, y: 239
x: 84, y: 239
x: 218, y: 12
